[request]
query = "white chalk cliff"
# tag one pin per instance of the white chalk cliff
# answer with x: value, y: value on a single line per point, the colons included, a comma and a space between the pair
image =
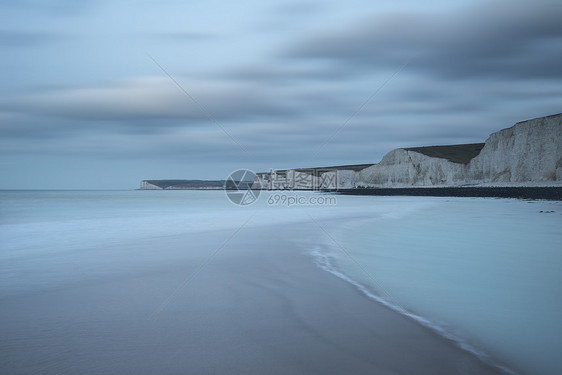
x: 526, y: 154
x: 145, y: 185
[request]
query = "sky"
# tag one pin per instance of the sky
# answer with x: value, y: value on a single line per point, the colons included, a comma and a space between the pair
x: 102, y: 94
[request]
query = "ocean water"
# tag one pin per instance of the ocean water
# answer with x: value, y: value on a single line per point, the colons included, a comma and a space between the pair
x: 52, y: 238
x: 484, y: 272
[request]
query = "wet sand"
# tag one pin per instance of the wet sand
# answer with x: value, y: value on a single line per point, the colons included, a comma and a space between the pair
x: 258, y: 306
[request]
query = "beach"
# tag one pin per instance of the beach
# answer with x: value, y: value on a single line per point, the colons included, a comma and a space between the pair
x: 260, y: 305
x: 139, y: 282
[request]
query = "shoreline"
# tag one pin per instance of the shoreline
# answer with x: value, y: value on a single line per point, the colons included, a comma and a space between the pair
x: 260, y: 306
x: 398, y: 266
x: 325, y: 257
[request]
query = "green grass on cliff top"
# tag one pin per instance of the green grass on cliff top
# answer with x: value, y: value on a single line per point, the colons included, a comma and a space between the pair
x: 461, y: 154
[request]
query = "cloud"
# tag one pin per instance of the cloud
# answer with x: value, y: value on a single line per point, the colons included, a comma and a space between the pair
x: 281, y: 81
x: 11, y: 38
x: 298, y: 9
x: 503, y: 39
x: 151, y: 98
x: 185, y: 36
x: 52, y: 7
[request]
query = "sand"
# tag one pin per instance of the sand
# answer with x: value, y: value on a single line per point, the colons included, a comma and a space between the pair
x: 259, y: 306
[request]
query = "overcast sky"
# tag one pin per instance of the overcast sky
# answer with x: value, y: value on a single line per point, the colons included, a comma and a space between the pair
x: 103, y: 94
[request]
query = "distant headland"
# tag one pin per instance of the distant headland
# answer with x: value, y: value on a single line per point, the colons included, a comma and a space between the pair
x: 182, y: 184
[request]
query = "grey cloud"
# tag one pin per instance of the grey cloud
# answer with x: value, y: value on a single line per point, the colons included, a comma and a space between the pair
x: 150, y: 99
x: 306, y: 91
x: 271, y: 73
x: 10, y: 38
x: 185, y: 36
x: 52, y: 7
x: 300, y: 8
x: 511, y: 39
x: 36, y: 135
x: 288, y: 16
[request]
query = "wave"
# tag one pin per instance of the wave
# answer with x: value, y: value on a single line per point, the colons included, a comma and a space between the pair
x: 324, y: 259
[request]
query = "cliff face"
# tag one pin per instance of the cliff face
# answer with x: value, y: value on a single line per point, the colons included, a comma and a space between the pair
x: 530, y: 152
x: 182, y: 184
x: 400, y: 168
x: 527, y: 154
x: 145, y: 185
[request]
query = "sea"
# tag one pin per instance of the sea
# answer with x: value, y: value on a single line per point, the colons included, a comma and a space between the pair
x: 485, y: 273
